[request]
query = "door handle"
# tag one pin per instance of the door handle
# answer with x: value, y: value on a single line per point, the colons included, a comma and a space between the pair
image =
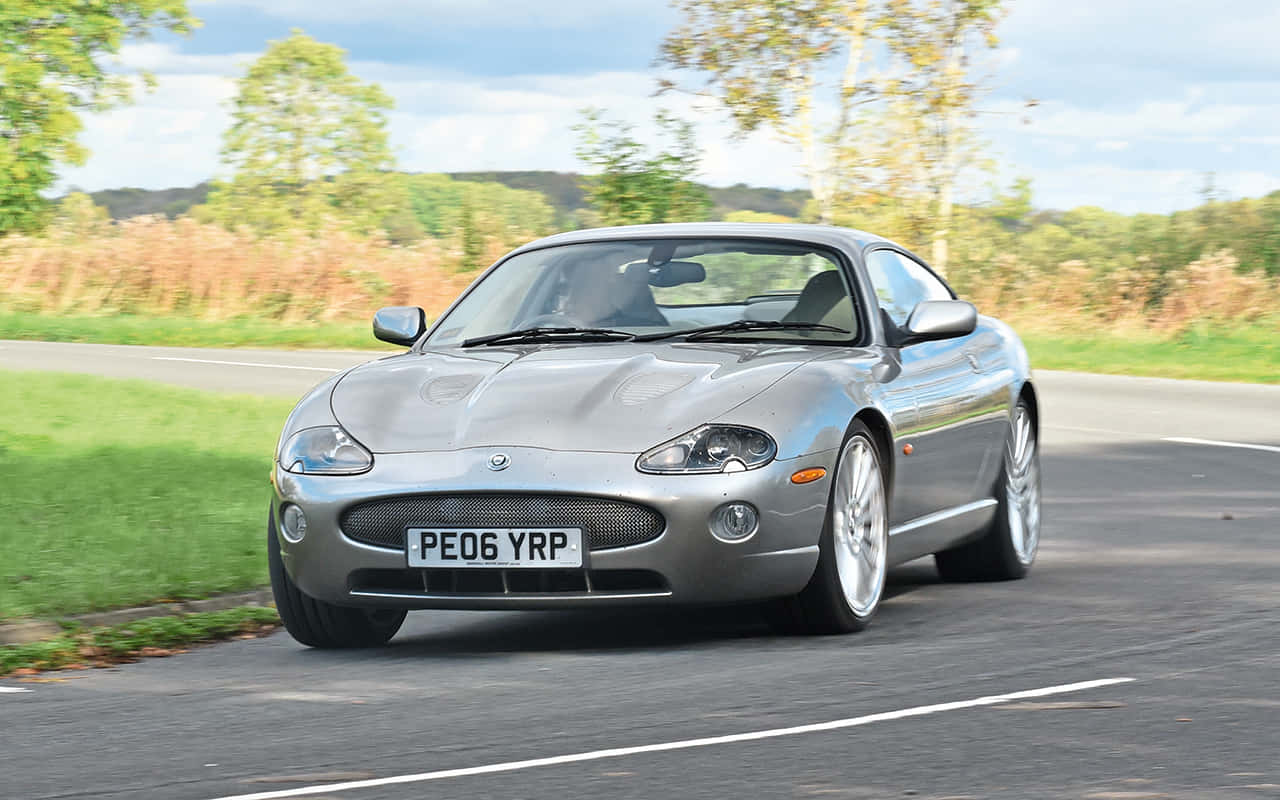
x: 974, y: 364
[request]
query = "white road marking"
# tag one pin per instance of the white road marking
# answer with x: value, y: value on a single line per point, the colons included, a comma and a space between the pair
x: 1106, y: 431
x: 12, y: 690
x: 596, y: 755
x: 1212, y: 443
x: 241, y: 363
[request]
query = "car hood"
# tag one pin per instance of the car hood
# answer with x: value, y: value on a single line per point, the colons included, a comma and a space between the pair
x: 609, y: 397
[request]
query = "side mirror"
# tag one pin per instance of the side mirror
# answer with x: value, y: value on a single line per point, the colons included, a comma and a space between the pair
x: 940, y: 319
x: 399, y: 324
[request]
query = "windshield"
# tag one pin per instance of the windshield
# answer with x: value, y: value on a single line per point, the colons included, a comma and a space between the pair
x: 661, y: 286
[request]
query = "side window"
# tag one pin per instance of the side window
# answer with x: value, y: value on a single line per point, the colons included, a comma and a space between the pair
x: 901, y: 283
x: 930, y: 287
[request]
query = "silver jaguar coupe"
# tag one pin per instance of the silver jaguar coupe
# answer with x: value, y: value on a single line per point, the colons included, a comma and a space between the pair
x: 700, y: 413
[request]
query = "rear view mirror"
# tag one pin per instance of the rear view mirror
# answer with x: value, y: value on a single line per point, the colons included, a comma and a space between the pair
x: 399, y: 324
x: 940, y: 319
x: 672, y: 273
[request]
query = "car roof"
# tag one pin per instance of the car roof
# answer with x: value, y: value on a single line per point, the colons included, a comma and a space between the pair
x: 846, y: 239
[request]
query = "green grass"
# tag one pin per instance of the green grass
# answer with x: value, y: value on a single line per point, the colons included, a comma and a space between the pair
x: 126, y: 642
x: 118, y: 493
x: 1247, y: 354
x: 180, y: 332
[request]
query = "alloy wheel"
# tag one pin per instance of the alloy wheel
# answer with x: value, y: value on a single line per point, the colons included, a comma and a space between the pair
x: 1022, y: 487
x: 860, y: 526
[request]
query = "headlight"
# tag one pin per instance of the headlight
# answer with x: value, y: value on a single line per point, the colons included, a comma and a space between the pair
x: 324, y: 451
x: 711, y: 448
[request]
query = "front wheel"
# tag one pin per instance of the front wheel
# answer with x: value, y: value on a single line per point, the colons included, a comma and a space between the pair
x: 316, y: 623
x: 848, y: 583
x: 1008, y: 547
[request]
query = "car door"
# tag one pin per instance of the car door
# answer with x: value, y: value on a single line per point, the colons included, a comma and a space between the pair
x: 949, y: 442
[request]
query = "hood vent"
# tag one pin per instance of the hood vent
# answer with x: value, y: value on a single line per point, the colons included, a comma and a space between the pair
x: 650, y: 386
x: 449, y: 389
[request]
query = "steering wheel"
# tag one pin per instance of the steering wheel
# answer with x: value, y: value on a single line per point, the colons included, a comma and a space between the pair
x: 555, y: 320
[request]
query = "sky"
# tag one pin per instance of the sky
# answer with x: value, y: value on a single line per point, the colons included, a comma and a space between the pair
x: 1137, y: 101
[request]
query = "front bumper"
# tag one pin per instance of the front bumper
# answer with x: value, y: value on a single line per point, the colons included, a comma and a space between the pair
x: 694, y: 566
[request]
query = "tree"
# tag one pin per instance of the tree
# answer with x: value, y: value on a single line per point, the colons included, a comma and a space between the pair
x: 933, y: 94
x: 308, y: 143
x: 633, y: 186
x: 899, y: 137
x: 78, y: 215
x: 50, y: 54
x: 763, y: 59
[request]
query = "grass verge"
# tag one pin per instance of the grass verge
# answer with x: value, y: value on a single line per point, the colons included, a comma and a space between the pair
x: 117, y: 644
x: 120, y: 493
x: 1246, y: 354
x: 180, y: 332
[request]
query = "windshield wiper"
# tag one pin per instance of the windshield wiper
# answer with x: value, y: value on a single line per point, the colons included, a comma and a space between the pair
x: 741, y: 325
x: 587, y: 334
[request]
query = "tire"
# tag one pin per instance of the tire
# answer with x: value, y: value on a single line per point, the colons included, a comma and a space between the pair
x: 847, y: 585
x: 1008, y: 547
x: 318, y: 624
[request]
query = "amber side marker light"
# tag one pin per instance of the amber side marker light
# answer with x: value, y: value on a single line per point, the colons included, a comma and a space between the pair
x: 809, y: 475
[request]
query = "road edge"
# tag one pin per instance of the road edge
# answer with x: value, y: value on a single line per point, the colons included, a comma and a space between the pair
x: 28, y: 631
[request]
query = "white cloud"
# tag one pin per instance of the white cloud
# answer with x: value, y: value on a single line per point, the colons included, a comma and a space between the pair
x: 164, y: 58
x: 443, y: 121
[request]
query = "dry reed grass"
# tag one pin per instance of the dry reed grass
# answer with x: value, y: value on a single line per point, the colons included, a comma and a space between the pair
x: 1072, y: 295
x: 151, y: 266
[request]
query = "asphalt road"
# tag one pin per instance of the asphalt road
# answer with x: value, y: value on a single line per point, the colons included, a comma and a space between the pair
x: 1159, y: 564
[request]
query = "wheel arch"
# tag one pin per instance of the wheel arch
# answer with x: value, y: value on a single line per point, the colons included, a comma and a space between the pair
x: 883, y: 434
x: 1028, y: 395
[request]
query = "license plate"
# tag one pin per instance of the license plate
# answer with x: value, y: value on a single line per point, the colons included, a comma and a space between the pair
x: 506, y: 548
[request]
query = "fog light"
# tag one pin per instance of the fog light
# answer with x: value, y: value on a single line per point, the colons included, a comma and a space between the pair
x: 293, y: 523
x: 733, y: 522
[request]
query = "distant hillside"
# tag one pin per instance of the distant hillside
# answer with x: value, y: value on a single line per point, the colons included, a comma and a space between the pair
x: 563, y: 191
x: 128, y: 202
x: 741, y: 197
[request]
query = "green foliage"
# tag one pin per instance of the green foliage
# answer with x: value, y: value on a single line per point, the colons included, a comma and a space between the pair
x: 1151, y: 247
x: 308, y: 144
x: 473, y: 219
x: 563, y: 190
x: 77, y: 215
x: 439, y: 203
x: 631, y: 185
x: 50, y: 69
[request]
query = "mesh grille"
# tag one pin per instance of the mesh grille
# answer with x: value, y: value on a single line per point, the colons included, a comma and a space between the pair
x: 604, y: 523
